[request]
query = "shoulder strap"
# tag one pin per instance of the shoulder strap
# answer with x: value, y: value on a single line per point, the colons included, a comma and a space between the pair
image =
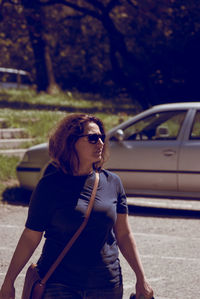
x: 76, y: 235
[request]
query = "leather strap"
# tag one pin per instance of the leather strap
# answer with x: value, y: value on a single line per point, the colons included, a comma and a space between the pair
x: 76, y: 235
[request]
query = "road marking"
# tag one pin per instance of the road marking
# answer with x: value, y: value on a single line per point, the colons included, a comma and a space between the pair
x: 164, y: 236
x: 155, y: 279
x: 181, y: 258
x: 20, y: 275
x: 9, y: 226
x: 6, y: 248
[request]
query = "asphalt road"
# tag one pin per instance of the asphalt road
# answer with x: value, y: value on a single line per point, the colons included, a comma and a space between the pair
x: 168, y: 241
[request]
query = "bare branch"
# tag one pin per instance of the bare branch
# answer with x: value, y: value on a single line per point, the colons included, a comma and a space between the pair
x: 72, y: 18
x: 14, y: 2
x: 132, y: 3
x: 2, y: 3
x: 82, y: 9
x: 99, y: 5
x: 96, y: 4
x: 112, y: 4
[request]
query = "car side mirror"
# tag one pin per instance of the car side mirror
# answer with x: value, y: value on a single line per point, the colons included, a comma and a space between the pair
x: 119, y: 135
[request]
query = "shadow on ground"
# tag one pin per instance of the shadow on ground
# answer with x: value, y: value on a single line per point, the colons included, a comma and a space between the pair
x: 16, y: 196
x: 20, y: 196
x: 135, y: 210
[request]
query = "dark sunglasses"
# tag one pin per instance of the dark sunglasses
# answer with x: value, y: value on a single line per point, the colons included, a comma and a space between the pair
x: 94, y: 138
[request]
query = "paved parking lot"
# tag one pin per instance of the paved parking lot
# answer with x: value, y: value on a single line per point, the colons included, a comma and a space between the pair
x: 168, y: 242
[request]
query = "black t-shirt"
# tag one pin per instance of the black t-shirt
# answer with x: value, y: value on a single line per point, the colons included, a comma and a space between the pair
x: 58, y: 206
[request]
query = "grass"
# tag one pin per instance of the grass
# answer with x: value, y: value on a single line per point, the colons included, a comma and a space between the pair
x: 36, y: 122
x: 72, y: 101
x: 7, y: 167
x: 39, y: 113
x: 7, y: 174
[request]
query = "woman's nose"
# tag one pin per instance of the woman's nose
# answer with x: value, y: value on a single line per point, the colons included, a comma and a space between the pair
x: 100, y: 142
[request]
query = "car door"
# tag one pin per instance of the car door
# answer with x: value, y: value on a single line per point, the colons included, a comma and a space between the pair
x: 146, y: 158
x: 189, y: 161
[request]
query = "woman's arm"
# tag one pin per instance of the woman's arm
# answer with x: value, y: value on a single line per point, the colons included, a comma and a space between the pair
x: 128, y: 248
x: 27, y: 244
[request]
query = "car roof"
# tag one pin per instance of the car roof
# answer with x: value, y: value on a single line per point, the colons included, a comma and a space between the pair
x: 178, y: 105
x: 12, y: 71
x: 154, y: 109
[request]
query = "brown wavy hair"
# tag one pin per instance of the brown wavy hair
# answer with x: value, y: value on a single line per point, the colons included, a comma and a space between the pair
x: 63, y: 139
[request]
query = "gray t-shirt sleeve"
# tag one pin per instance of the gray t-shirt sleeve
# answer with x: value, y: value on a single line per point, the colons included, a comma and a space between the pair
x: 122, y: 207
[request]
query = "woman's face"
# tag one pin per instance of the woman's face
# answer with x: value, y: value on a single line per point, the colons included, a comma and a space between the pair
x: 88, y: 152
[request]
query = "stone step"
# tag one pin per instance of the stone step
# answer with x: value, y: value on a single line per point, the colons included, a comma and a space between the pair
x: 9, y: 133
x: 13, y: 152
x: 13, y: 143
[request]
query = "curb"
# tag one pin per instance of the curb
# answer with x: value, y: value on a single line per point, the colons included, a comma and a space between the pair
x: 165, y: 203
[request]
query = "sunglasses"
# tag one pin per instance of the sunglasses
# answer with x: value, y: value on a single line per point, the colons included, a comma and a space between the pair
x: 94, y: 138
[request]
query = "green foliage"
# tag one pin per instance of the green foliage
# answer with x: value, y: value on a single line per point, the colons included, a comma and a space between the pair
x: 9, y: 187
x: 40, y: 117
x: 69, y: 100
x: 8, y: 165
x: 16, y: 51
x: 39, y: 113
x: 37, y: 123
x: 150, y: 48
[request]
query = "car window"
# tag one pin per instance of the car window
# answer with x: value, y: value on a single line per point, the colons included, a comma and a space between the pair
x: 158, y: 126
x: 195, y: 132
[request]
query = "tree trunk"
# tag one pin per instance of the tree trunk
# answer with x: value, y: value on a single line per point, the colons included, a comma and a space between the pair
x: 127, y: 70
x: 45, y: 79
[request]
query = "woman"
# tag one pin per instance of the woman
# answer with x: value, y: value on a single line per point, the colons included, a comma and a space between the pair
x: 91, y: 268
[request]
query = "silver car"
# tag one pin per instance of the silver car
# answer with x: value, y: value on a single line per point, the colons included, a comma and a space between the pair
x: 155, y: 153
x: 14, y: 78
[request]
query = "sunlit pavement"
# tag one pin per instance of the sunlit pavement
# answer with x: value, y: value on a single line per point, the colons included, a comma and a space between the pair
x: 168, y: 241
x: 167, y: 235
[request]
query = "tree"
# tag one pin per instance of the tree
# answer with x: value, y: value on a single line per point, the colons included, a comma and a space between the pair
x: 147, y: 47
x: 36, y: 19
x: 14, y: 40
x: 126, y: 69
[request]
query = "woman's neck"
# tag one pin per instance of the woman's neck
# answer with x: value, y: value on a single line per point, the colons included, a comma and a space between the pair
x: 84, y: 171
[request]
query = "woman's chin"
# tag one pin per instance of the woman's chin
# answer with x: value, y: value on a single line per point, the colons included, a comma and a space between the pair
x: 98, y: 159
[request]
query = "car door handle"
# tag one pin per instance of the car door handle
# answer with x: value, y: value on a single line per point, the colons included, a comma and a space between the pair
x: 169, y: 152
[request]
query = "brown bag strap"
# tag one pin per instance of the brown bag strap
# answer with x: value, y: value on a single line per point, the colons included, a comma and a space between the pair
x: 76, y: 235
